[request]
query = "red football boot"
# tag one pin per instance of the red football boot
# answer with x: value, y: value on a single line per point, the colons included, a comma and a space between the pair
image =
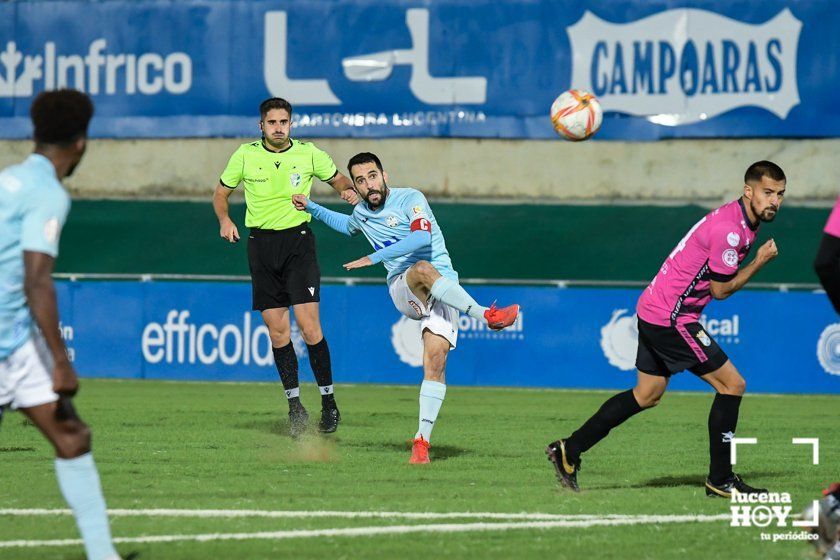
x: 420, y: 452
x: 498, y: 319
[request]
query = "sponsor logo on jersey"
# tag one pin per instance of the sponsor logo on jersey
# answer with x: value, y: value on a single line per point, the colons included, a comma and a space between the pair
x: 733, y: 239
x: 730, y: 258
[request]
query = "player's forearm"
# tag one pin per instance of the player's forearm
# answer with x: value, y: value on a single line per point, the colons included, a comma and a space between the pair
x: 744, y: 275
x: 221, y: 206
x: 341, y: 183
x: 334, y: 220
x: 415, y: 241
x: 43, y: 305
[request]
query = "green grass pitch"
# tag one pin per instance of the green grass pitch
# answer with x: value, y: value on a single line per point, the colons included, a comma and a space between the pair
x: 219, y: 446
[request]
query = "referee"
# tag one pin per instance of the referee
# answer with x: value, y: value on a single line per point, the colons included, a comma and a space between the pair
x: 281, y: 247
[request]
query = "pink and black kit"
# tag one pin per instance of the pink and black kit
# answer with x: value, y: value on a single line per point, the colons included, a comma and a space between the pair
x: 671, y: 338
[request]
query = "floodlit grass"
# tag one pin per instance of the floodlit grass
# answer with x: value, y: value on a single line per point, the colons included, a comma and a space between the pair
x: 226, y: 446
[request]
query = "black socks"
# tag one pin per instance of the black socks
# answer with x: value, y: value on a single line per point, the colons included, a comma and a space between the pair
x: 616, y: 410
x: 723, y: 418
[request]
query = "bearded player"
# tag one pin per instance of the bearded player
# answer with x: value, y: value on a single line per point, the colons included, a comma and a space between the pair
x: 423, y: 285
x: 704, y: 265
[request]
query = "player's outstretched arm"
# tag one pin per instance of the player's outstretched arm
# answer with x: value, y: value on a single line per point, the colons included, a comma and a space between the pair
x: 40, y: 296
x: 414, y: 241
x: 766, y: 253
x: 335, y: 220
x: 227, y: 229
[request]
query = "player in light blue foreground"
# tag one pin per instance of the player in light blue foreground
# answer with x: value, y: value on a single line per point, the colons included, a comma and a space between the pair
x: 423, y: 285
x: 36, y: 376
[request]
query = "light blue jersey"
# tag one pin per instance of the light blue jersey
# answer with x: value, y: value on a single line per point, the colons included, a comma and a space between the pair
x: 392, y: 222
x: 33, y: 208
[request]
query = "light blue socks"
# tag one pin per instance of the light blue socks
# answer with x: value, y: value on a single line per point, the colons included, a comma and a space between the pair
x: 431, y: 399
x: 452, y: 294
x: 79, y: 483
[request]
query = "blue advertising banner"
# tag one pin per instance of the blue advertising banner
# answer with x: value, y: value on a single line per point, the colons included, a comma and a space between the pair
x: 476, y: 68
x: 582, y: 338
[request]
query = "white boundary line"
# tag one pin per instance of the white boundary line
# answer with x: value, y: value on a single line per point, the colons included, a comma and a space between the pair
x: 294, y: 514
x: 392, y: 530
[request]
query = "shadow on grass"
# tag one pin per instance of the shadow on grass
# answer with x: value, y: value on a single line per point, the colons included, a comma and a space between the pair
x: 687, y: 480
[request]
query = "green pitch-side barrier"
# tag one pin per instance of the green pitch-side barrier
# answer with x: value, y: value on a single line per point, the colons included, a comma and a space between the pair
x: 500, y: 241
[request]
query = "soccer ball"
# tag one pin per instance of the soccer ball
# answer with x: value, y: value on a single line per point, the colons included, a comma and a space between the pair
x: 576, y: 115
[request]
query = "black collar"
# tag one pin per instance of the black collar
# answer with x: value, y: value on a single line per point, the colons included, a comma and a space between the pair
x: 746, y: 216
x: 262, y: 142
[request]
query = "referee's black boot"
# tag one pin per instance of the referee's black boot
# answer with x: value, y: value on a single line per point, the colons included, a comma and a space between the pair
x: 732, y: 484
x: 298, y: 420
x: 330, y: 417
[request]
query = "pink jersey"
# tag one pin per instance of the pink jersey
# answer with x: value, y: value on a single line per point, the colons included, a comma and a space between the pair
x: 711, y: 250
x: 832, y: 226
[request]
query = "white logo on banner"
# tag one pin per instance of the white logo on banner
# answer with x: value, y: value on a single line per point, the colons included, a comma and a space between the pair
x: 96, y: 72
x: 828, y: 349
x: 407, y: 341
x: 683, y: 66
x: 181, y: 342
x: 373, y: 67
x: 619, y: 339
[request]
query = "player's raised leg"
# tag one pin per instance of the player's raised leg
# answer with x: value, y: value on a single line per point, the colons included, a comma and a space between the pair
x: 424, y: 279
x: 565, y: 453
x: 280, y: 333
x: 308, y: 319
x: 76, y: 471
x: 432, y: 392
x: 723, y: 420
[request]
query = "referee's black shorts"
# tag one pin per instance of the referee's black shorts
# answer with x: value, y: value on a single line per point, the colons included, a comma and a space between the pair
x: 284, y: 267
x: 664, y: 351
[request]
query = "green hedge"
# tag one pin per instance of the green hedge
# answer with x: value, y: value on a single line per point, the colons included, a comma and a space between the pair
x: 515, y: 241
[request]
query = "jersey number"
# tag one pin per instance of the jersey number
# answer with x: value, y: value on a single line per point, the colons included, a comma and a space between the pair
x: 681, y: 245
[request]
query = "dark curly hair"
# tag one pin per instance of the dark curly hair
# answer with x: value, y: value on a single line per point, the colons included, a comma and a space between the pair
x: 61, y: 116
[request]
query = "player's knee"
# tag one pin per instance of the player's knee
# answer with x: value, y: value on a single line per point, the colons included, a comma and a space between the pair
x: 435, y: 367
x: 425, y: 269
x: 312, y: 334
x: 649, y: 400
x: 737, y: 387
x: 280, y: 337
x: 74, y: 442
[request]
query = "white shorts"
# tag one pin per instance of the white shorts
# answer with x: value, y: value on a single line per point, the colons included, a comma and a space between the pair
x: 25, y: 376
x: 433, y: 315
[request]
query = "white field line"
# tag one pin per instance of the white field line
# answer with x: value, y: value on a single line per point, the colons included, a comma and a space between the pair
x: 392, y: 530
x: 232, y: 513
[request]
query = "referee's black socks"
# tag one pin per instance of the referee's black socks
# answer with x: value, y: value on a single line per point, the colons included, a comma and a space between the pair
x: 319, y: 359
x: 723, y: 419
x: 287, y: 366
x: 616, y: 410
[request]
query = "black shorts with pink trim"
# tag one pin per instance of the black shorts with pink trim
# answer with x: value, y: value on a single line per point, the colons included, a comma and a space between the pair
x: 665, y: 351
